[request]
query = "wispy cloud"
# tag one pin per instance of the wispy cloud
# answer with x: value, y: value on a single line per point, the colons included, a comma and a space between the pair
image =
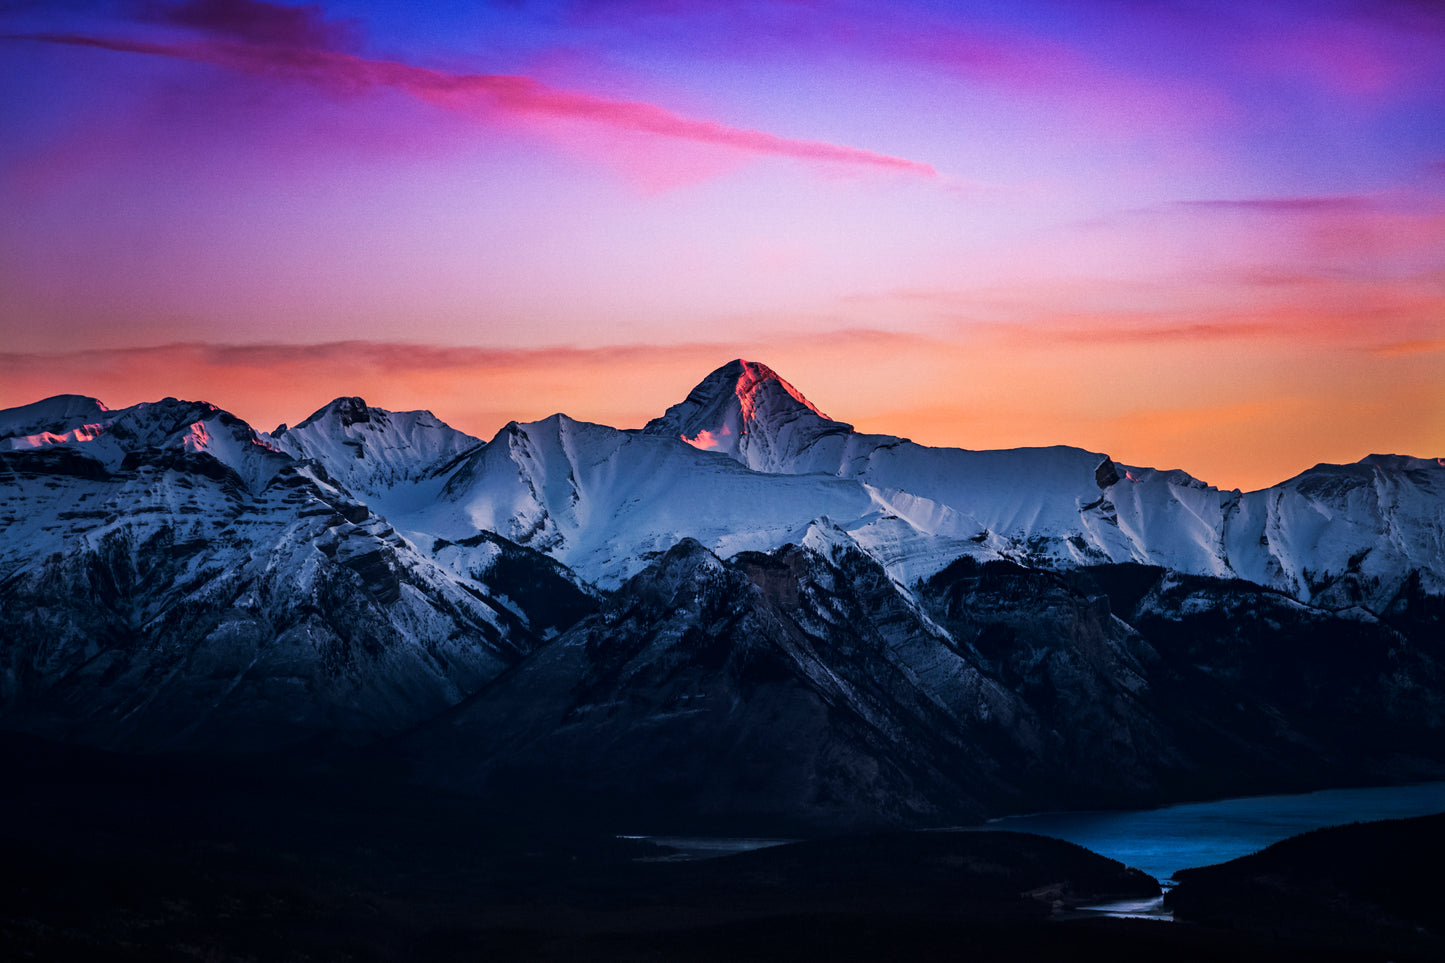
x: 256, y: 21
x: 1026, y: 62
x: 482, y: 97
x: 1366, y: 51
x: 1285, y: 205
x: 1402, y: 349
x: 1239, y: 307
x: 1228, y: 407
x: 362, y: 358
x: 475, y: 388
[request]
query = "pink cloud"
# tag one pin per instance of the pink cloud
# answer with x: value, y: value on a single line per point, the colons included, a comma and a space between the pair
x: 1401, y: 234
x: 484, y: 96
x: 1015, y: 56
x: 1402, y: 349
x: 1286, y: 205
x: 1237, y: 411
x: 1241, y: 305
x: 1365, y: 52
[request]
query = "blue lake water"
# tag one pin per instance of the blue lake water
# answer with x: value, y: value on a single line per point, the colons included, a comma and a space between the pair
x: 1163, y: 841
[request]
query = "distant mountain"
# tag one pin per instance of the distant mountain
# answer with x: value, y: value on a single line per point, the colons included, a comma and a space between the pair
x: 171, y: 579
x: 371, y: 451
x: 743, y: 611
x: 803, y: 688
x: 1345, y: 533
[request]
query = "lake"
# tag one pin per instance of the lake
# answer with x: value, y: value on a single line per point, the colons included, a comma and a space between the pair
x: 1163, y: 841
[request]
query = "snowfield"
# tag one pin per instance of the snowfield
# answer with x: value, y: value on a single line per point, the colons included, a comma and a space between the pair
x: 746, y: 463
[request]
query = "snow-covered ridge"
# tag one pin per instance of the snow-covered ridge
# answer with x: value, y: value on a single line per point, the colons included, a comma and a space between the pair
x: 115, y: 438
x: 1330, y: 535
x: 745, y: 462
x: 373, y: 451
x: 57, y: 415
x: 197, y: 586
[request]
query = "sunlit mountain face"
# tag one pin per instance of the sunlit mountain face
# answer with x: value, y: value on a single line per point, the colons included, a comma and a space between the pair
x: 503, y: 663
x: 803, y: 627
x: 1195, y: 235
x: 1082, y: 449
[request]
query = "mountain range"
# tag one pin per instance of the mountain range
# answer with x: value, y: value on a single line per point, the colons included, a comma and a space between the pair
x: 743, y: 614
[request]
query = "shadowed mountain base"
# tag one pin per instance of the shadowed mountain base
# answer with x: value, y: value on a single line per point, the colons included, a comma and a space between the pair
x: 117, y: 858
x: 1366, y: 885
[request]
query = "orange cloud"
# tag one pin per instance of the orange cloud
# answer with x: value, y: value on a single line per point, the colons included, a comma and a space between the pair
x: 1402, y: 348
x: 1234, y: 410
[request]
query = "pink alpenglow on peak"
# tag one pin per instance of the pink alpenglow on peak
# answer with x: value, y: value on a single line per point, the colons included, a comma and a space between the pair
x: 953, y: 216
x: 747, y: 411
x: 197, y: 438
x: 753, y: 378
x: 45, y: 439
x: 704, y: 439
x: 739, y: 398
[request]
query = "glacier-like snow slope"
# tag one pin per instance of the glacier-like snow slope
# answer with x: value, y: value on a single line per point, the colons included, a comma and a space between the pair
x: 745, y: 462
x: 169, y: 578
x: 604, y: 501
x: 374, y: 453
x: 1046, y: 503
x: 1340, y: 534
x: 27, y: 425
x: 84, y: 427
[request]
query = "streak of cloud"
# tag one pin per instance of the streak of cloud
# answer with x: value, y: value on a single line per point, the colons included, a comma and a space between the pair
x: 1406, y: 348
x: 256, y: 21
x: 1285, y: 205
x: 976, y: 49
x: 1235, y: 410
x: 479, y: 96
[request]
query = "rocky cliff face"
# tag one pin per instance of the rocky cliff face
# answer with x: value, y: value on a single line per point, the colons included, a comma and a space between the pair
x: 157, y: 595
x: 745, y: 612
x: 803, y: 687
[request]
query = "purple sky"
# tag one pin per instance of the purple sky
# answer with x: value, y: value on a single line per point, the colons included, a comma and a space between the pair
x: 1204, y: 235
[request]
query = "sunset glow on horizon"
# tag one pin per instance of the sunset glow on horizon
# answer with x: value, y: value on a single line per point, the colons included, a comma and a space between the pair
x: 1196, y: 235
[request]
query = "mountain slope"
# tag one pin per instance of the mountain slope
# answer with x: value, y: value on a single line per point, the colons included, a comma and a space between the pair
x: 171, y: 581
x: 743, y: 612
x: 371, y: 451
x: 699, y: 692
x: 1368, y: 526
x: 604, y: 501
x: 803, y: 689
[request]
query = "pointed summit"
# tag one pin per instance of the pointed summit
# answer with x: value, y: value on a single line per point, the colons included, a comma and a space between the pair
x: 346, y: 411
x: 371, y: 450
x: 747, y: 411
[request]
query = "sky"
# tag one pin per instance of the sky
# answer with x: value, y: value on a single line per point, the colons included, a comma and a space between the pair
x: 1199, y: 234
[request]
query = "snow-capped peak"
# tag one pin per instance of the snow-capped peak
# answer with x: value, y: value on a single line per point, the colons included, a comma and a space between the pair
x: 371, y: 450
x: 755, y: 379
x: 145, y: 434
x: 747, y: 411
x: 57, y: 415
x: 344, y: 411
x: 1402, y: 462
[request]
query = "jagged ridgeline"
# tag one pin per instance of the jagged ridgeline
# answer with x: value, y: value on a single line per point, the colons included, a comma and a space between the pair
x: 744, y: 612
